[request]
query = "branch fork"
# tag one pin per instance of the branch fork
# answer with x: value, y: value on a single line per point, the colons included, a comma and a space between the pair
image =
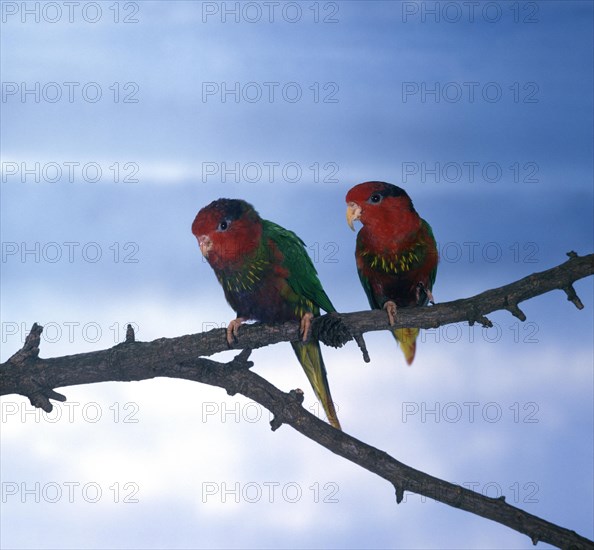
x: 184, y: 357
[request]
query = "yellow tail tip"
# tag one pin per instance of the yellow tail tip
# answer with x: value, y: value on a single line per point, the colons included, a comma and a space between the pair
x: 407, y: 340
x: 310, y: 357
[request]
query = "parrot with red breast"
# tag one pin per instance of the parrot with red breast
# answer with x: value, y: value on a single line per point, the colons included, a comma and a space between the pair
x: 396, y: 253
x: 267, y: 276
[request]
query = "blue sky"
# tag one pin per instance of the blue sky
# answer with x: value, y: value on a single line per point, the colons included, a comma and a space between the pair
x: 504, y: 176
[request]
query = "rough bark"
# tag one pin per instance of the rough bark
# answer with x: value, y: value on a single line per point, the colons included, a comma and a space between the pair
x: 183, y: 357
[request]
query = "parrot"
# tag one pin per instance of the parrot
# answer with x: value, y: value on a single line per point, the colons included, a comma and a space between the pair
x: 396, y: 253
x: 267, y: 276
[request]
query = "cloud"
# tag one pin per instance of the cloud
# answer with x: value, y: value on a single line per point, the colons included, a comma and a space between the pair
x: 464, y: 410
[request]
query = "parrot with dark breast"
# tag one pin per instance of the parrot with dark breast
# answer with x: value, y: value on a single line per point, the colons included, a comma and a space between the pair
x: 396, y: 253
x: 267, y: 276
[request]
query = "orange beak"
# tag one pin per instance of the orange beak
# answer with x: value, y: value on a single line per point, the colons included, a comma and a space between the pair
x: 353, y: 213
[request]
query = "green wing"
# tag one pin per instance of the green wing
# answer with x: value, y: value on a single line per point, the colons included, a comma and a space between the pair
x: 365, y: 283
x: 430, y: 242
x: 303, y: 277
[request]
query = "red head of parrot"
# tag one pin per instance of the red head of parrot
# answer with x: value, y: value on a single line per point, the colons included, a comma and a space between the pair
x: 227, y: 230
x: 385, y: 209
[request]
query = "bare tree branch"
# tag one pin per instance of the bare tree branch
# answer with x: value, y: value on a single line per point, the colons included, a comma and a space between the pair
x: 27, y: 374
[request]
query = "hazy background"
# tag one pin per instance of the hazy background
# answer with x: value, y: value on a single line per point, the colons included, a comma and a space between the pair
x: 120, y: 120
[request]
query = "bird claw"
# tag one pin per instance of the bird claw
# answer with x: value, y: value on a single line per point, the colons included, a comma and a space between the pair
x: 233, y: 329
x: 305, y: 325
x: 390, y: 308
x: 422, y: 288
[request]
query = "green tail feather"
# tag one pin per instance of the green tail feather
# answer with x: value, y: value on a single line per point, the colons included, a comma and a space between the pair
x: 310, y: 357
x: 407, y: 339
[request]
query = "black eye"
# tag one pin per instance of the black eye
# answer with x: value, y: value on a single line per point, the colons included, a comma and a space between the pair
x: 223, y: 225
x: 375, y: 198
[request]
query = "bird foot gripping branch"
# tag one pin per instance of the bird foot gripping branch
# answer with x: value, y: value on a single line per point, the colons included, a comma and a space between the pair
x: 391, y: 310
x: 233, y: 330
x: 183, y: 357
x: 305, y: 325
x: 266, y: 276
x: 396, y: 253
x: 423, y: 294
